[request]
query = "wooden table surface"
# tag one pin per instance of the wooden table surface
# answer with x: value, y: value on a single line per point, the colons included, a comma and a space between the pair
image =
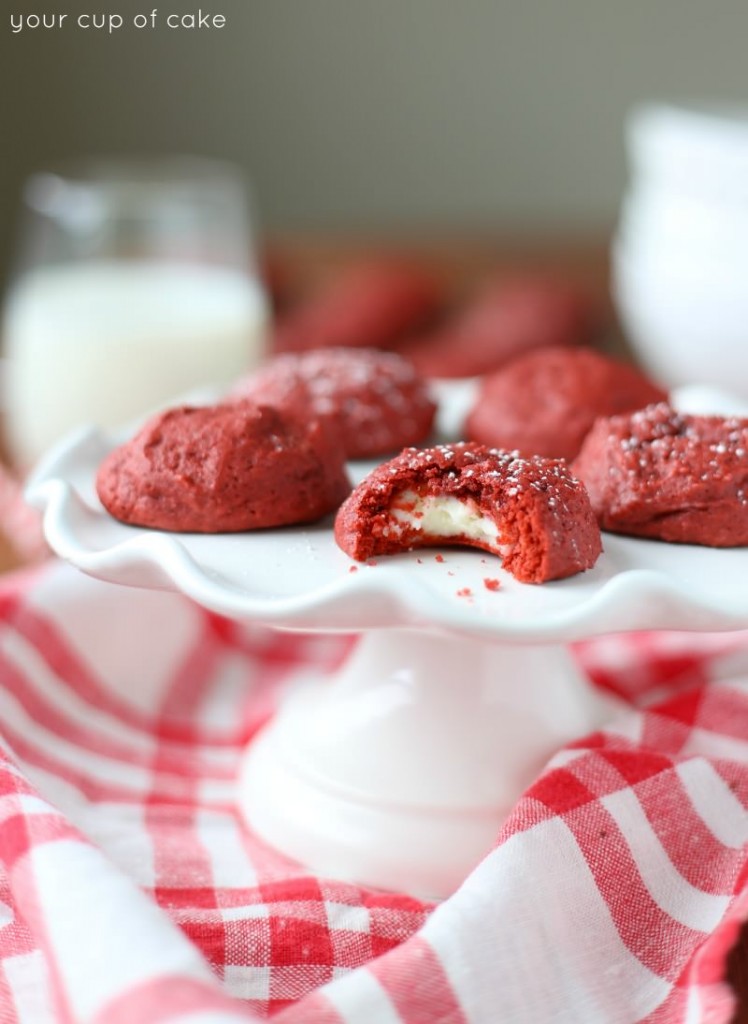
x: 462, y: 260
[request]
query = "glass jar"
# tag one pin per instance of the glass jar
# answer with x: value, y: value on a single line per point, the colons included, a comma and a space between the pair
x: 135, y: 283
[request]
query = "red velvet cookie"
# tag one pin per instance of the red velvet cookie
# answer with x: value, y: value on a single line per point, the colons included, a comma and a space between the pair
x: 532, y: 513
x: 544, y: 403
x: 367, y: 305
x: 662, y: 474
x: 507, y: 318
x: 379, y: 403
x: 224, y: 468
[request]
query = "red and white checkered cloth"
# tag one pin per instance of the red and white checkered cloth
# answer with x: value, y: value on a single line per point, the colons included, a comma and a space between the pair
x: 130, y: 890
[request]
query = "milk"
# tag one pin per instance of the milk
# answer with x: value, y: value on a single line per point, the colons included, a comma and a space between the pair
x: 106, y: 341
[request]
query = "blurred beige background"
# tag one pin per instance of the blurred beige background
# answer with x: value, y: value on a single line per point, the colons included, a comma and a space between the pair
x: 392, y: 114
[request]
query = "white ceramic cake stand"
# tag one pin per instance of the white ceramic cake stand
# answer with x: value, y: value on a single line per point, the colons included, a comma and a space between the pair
x: 400, y: 772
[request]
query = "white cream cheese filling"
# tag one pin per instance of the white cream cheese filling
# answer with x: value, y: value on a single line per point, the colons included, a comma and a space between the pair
x: 445, y: 517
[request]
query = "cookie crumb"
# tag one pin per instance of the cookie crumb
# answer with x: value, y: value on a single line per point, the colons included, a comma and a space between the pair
x: 439, y: 558
x: 490, y: 584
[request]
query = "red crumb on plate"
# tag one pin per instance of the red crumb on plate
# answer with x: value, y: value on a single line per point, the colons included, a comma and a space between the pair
x: 439, y: 558
x: 465, y: 592
x: 491, y: 584
x: 352, y: 568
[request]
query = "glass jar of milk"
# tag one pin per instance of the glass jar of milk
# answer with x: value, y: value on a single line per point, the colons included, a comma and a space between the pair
x: 135, y: 284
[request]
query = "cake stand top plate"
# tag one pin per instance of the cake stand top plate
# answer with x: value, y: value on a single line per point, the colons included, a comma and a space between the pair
x: 297, y: 578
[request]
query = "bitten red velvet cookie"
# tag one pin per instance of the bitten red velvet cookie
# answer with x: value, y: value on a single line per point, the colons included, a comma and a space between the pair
x: 532, y: 513
x: 666, y: 475
x: 545, y: 402
x: 379, y: 403
x: 224, y: 468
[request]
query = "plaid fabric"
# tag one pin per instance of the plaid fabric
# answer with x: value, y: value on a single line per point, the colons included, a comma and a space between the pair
x: 131, y: 892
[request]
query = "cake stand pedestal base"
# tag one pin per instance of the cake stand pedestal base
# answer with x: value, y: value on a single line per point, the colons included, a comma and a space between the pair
x: 399, y: 772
